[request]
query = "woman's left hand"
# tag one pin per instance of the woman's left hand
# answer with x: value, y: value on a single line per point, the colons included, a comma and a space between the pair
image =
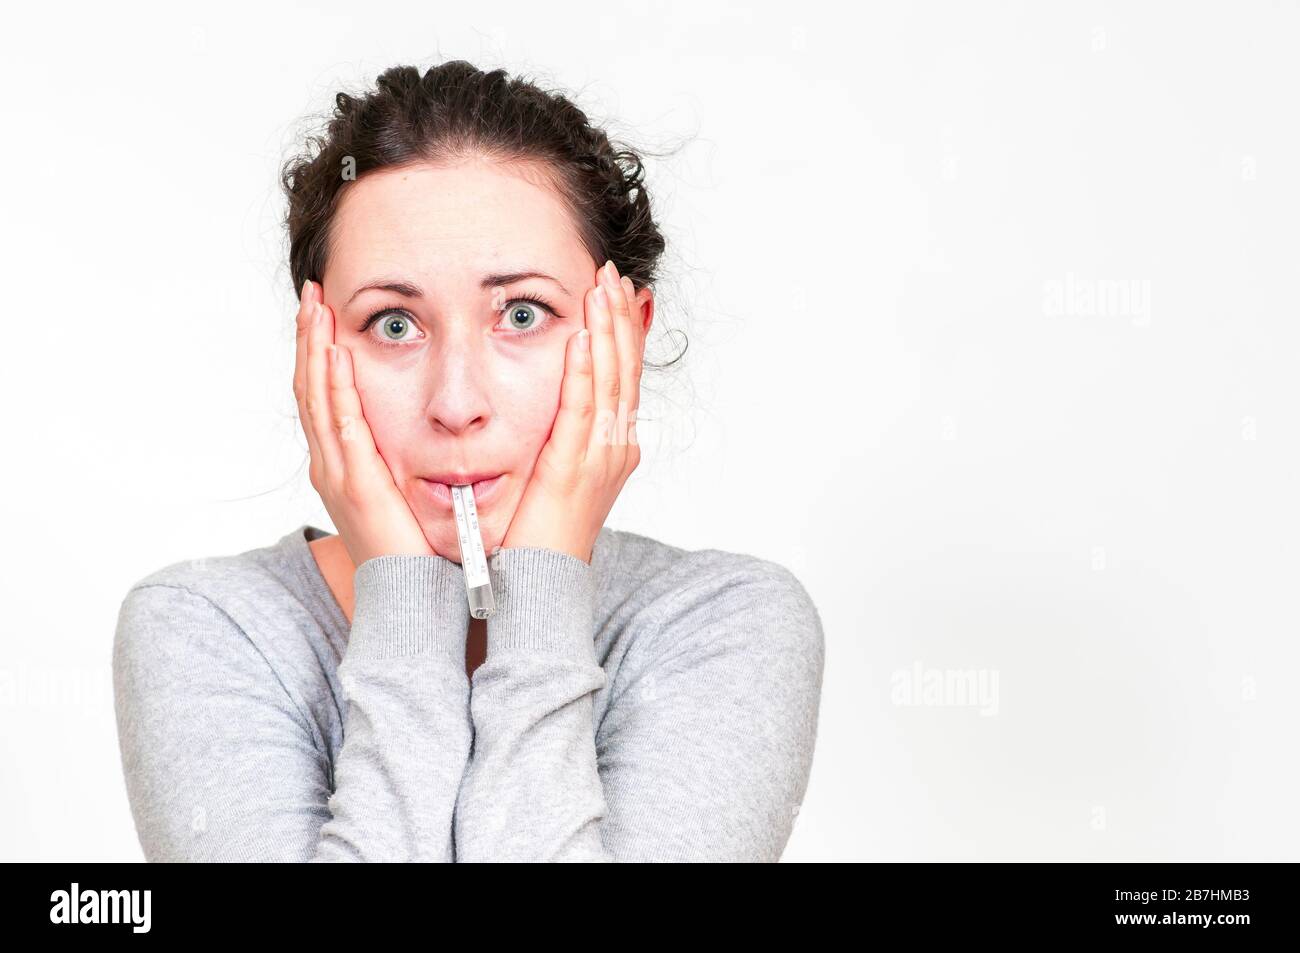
x: 592, y: 449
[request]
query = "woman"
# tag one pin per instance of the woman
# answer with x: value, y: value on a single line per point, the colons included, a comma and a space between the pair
x: 476, y: 266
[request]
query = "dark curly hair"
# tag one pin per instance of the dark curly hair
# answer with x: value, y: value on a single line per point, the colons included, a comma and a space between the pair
x: 456, y: 110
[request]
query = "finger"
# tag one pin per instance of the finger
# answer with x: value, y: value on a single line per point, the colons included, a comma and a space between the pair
x: 604, y: 366
x: 306, y: 312
x: 625, y: 339
x: 320, y: 336
x: 639, y: 333
x: 303, y: 324
x: 638, y: 323
x: 356, y: 441
x: 571, y: 432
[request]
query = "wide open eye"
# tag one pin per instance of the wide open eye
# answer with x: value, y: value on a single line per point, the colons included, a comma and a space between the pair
x: 395, y: 326
x: 527, y: 315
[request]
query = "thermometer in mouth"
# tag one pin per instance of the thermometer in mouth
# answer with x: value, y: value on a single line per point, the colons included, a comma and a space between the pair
x: 478, y: 585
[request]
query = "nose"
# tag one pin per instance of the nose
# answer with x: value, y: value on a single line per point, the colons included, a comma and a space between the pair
x: 459, y: 398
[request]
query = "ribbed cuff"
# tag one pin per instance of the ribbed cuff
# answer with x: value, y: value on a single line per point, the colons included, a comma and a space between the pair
x: 409, y: 605
x: 545, y: 599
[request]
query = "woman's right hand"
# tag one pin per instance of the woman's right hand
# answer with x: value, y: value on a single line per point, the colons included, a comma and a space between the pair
x: 354, y: 482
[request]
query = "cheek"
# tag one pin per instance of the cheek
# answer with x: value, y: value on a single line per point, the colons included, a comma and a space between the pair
x: 527, y: 401
x: 383, y: 404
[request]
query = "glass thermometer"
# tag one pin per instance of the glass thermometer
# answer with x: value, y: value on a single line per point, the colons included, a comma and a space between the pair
x: 478, y: 585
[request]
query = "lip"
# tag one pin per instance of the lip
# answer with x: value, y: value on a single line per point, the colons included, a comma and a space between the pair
x: 438, y: 487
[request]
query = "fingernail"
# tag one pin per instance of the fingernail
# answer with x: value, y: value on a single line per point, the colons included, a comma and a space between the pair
x: 306, y: 286
x: 334, y: 356
x: 600, y: 295
x: 609, y: 269
x: 584, y: 340
x: 319, y: 314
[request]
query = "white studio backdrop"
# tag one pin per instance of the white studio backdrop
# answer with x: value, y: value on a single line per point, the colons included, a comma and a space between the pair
x: 992, y: 313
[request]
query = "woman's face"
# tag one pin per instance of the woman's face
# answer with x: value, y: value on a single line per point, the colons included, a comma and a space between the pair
x: 455, y: 372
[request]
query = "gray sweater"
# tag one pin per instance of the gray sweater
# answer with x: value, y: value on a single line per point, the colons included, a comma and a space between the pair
x: 657, y: 704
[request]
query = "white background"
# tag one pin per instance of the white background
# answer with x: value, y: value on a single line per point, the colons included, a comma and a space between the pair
x: 870, y: 220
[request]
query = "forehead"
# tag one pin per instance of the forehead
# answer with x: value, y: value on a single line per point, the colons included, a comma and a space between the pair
x: 452, y: 223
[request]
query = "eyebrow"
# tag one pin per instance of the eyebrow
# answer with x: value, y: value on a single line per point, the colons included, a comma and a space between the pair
x: 408, y: 290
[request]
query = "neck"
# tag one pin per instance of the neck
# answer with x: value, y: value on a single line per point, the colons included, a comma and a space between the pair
x: 337, y: 568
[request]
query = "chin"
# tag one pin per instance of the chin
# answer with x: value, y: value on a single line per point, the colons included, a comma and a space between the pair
x: 440, y: 531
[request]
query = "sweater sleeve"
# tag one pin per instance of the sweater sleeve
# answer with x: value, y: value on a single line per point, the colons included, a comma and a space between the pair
x: 705, y: 750
x: 220, y: 761
x: 532, y: 791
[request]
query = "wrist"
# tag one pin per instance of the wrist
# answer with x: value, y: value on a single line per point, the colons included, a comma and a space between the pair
x: 569, y: 546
